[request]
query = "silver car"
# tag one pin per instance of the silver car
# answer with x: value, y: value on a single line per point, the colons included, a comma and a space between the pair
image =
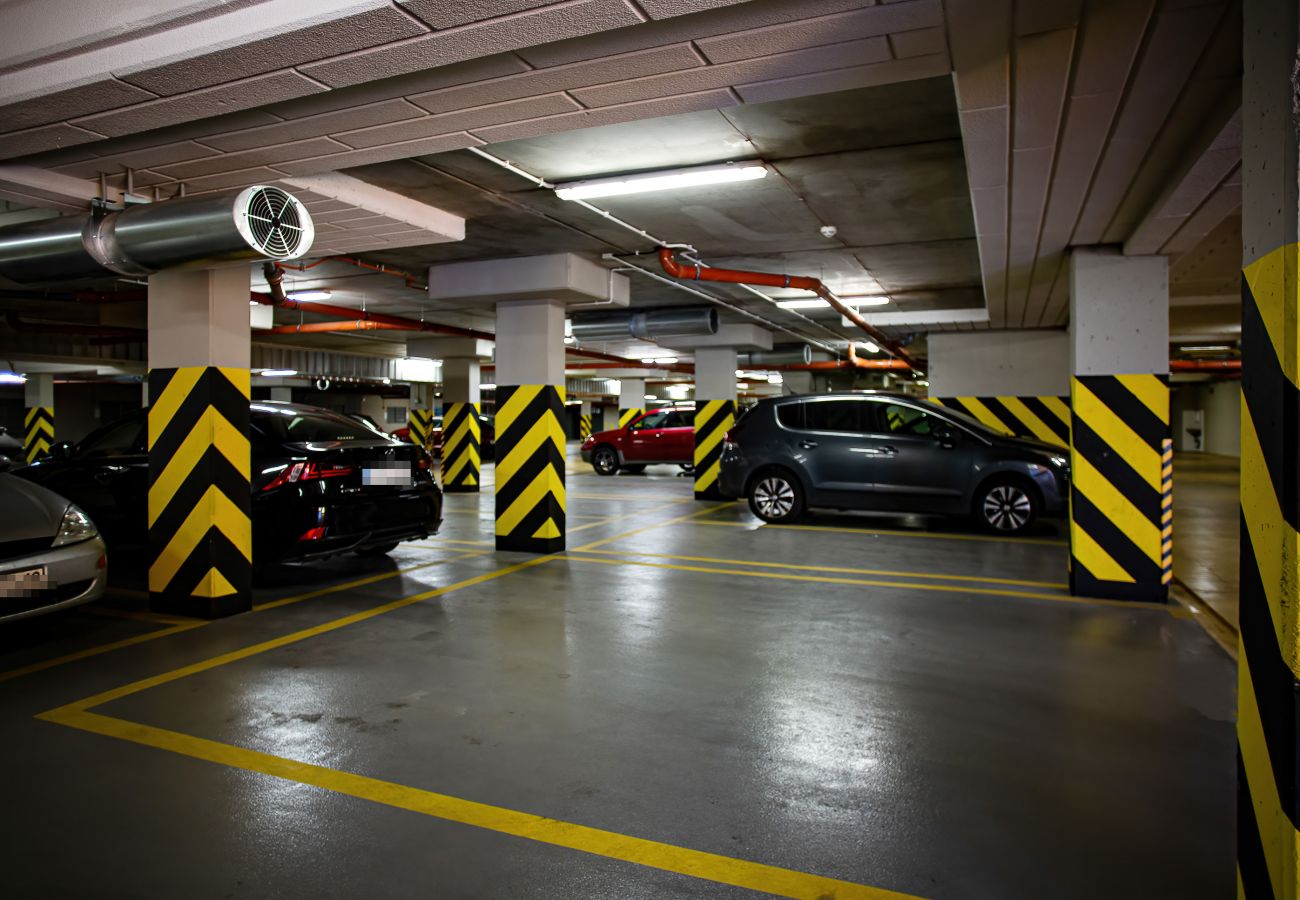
x: 51, y: 554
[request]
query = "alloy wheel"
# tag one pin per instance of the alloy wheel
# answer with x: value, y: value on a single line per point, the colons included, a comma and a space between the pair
x: 605, y: 461
x: 1007, y: 508
x: 774, y: 497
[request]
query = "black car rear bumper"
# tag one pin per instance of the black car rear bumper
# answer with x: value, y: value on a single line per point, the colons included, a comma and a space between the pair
x: 340, y: 524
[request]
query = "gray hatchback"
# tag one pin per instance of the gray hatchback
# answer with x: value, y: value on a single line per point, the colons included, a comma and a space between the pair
x: 888, y: 453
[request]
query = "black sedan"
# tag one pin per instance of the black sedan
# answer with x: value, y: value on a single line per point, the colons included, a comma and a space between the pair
x: 322, y: 483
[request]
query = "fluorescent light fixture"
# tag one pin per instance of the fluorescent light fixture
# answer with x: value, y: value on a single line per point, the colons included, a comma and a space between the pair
x: 569, y: 339
x: 775, y: 378
x: 659, y: 360
x: 1206, y: 348
x: 819, y: 303
x: 924, y: 383
x: 651, y: 397
x: 487, y: 387
x: 387, y: 380
x: 12, y: 378
x: 742, y: 386
x: 308, y: 295
x: 279, y: 373
x: 871, y: 347
x: 663, y: 180
x: 740, y: 373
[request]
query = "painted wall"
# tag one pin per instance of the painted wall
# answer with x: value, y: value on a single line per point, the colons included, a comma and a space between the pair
x: 1220, y: 403
x: 1000, y: 363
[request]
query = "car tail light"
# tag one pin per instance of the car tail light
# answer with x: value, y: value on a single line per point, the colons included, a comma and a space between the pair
x: 313, y: 534
x: 307, y: 471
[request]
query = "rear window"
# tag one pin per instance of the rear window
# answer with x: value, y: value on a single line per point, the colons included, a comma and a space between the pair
x: 288, y: 426
x: 835, y: 415
x: 790, y: 415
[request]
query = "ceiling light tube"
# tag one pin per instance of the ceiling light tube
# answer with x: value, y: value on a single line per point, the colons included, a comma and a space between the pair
x: 819, y: 303
x: 663, y: 180
x: 308, y: 295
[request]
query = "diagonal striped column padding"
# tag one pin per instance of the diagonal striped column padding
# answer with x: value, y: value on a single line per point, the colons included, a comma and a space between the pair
x: 627, y: 416
x: 1044, y: 418
x: 200, y: 531
x: 584, y: 426
x: 1120, y: 424
x: 530, y: 496
x: 713, y: 419
x: 417, y: 426
x: 461, y: 448
x: 38, y: 432
x: 1268, y: 686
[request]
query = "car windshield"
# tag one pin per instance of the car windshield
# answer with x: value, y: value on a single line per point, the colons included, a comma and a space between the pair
x: 296, y: 426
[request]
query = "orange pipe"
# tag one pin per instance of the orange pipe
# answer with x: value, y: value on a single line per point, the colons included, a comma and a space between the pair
x: 800, y: 282
x: 1204, y: 365
x: 324, y: 327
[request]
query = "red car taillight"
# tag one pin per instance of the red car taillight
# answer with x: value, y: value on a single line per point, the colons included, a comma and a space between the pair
x: 313, y: 534
x: 307, y: 471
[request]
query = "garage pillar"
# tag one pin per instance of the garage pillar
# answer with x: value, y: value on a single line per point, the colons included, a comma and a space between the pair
x: 530, y: 499
x: 585, y: 414
x: 715, y: 413
x: 38, y: 416
x: 1013, y: 381
x: 631, y: 399
x: 1268, y: 753
x: 462, y: 439
x: 1121, y: 451
x: 200, y: 533
x: 419, y: 415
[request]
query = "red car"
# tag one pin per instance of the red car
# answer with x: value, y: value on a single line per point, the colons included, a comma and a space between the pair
x: 660, y: 436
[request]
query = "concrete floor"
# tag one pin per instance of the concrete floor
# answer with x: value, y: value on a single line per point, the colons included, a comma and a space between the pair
x: 1207, y: 526
x: 683, y: 703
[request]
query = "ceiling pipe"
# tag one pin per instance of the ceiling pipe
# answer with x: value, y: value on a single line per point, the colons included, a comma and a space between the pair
x: 1205, y: 365
x: 647, y: 325
x: 668, y: 260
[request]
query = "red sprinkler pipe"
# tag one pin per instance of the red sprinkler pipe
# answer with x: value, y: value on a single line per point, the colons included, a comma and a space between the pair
x: 800, y: 282
x: 1205, y: 365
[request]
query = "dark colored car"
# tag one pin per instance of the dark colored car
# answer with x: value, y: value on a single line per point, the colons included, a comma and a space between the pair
x: 889, y: 453
x: 322, y: 484
x: 660, y: 436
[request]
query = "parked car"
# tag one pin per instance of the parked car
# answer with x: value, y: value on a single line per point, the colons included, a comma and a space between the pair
x: 51, y: 554
x: 892, y: 453
x: 322, y: 484
x: 665, y: 435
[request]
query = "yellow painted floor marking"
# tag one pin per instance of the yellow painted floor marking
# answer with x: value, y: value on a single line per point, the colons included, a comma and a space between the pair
x: 933, y: 535
x: 437, y: 542
x: 844, y: 571
x: 102, y: 648
x: 361, y: 582
x: 650, y: 498
x: 1175, y: 611
x: 618, y: 537
x: 631, y: 515
x: 653, y: 854
x: 136, y: 615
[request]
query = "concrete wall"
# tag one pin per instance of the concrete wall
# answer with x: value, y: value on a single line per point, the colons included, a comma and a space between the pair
x: 999, y: 363
x: 1220, y: 403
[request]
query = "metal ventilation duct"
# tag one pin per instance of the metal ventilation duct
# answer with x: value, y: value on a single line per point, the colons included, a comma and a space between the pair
x: 647, y: 325
x: 795, y: 355
x: 258, y: 222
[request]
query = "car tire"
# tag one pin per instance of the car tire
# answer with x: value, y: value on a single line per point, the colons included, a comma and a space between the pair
x: 605, y: 461
x: 1006, y: 506
x: 636, y: 469
x: 377, y: 550
x: 776, y: 496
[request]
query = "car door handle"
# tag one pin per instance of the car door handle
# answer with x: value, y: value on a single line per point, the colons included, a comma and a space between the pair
x: 808, y: 445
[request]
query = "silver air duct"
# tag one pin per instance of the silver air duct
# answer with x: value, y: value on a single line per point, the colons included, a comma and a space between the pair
x: 794, y: 355
x: 647, y: 325
x: 258, y: 222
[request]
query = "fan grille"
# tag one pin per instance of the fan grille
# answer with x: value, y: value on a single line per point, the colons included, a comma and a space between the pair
x: 274, y: 222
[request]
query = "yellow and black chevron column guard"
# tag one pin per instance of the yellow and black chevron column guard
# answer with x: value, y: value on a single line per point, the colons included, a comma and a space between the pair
x: 38, y: 428
x: 200, y: 532
x: 627, y: 415
x: 1268, y: 691
x: 530, y: 468
x: 462, y: 442
x: 713, y: 419
x: 1120, y: 423
x: 1167, y: 510
x: 417, y: 426
x: 1045, y: 418
x: 584, y: 426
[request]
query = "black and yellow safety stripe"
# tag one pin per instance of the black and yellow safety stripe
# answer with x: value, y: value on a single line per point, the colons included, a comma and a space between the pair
x: 38, y: 431
x: 1120, y: 423
x: 1268, y: 721
x: 584, y: 426
x: 626, y: 416
x: 417, y: 426
x: 1167, y: 510
x: 200, y: 531
x: 713, y: 419
x: 462, y: 443
x: 530, y: 497
x: 1044, y: 418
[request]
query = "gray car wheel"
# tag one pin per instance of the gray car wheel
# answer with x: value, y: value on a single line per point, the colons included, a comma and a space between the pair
x: 605, y: 461
x: 1007, y: 507
x: 776, y: 497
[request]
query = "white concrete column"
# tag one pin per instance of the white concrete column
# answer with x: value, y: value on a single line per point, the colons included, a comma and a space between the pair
x: 372, y: 405
x: 38, y: 415
x: 631, y: 399
x: 461, y: 377
x: 282, y: 394
x: 586, y: 412
x: 1121, y: 447
x: 530, y: 342
x: 198, y: 449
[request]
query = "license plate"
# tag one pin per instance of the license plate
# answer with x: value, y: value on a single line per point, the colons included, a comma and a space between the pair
x: 386, y: 474
x: 24, y: 583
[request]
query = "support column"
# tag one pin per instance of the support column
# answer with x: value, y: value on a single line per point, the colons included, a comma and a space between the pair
x: 38, y: 416
x: 419, y: 415
x: 462, y: 440
x: 631, y: 400
x: 200, y: 534
x: 1268, y: 751
x: 584, y: 420
x: 1120, y: 545
x: 715, y: 413
x: 1012, y: 381
x: 530, y: 498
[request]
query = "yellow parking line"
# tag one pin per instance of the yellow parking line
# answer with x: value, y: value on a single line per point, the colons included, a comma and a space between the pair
x: 112, y: 612
x: 650, y: 527
x: 102, y: 648
x: 439, y: 541
x: 933, y: 535
x: 361, y: 582
x: 630, y: 515
x: 865, y: 582
x: 847, y: 571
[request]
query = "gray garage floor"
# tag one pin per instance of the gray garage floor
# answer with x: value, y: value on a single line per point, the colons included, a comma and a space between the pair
x: 683, y: 704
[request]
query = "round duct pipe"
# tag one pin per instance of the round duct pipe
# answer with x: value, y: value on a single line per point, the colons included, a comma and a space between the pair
x: 794, y: 355
x: 647, y: 325
x: 258, y: 222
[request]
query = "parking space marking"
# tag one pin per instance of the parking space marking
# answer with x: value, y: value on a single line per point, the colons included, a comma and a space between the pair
x: 361, y: 582
x: 102, y: 648
x: 887, y: 532
x: 136, y: 615
x: 631, y: 515
x: 1176, y: 612
x: 618, y: 537
x: 985, y: 579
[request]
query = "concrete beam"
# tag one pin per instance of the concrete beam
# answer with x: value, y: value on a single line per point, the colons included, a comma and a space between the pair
x: 449, y: 348
x: 558, y: 276
x: 31, y: 186
x: 738, y: 337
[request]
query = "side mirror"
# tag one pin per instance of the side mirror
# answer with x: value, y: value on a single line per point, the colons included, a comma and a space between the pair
x: 61, y: 450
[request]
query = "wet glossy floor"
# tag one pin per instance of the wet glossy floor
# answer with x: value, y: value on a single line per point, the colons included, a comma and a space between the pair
x: 1207, y: 549
x: 684, y: 704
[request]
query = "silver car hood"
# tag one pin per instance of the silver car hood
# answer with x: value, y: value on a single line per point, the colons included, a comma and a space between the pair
x: 28, y: 511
